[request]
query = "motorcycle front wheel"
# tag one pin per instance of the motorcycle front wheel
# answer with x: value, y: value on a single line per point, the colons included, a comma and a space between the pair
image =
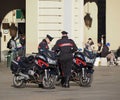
x: 17, y: 82
x: 85, y: 80
x: 49, y: 83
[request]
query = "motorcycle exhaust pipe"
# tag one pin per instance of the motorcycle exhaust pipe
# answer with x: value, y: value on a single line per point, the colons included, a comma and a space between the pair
x: 46, y: 74
x: 83, y: 74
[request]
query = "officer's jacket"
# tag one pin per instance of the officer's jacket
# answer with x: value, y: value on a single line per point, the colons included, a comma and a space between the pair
x: 43, y: 46
x: 66, y: 47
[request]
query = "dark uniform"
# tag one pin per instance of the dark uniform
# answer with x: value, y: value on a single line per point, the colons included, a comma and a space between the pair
x: 43, y: 47
x: 66, y: 47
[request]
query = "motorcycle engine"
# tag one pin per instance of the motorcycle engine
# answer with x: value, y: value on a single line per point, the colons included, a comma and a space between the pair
x: 31, y: 72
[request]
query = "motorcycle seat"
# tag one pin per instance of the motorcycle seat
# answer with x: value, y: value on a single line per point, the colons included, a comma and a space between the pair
x: 51, y: 55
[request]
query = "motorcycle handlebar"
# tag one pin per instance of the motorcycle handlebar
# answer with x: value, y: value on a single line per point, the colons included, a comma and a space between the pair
x: 34, y: 53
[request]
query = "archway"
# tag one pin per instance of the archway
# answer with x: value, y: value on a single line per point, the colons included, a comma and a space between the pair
x: 101, y: 4
x: 7, y: 6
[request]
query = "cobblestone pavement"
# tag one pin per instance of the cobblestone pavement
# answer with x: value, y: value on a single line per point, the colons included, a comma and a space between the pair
x: 105, y: 86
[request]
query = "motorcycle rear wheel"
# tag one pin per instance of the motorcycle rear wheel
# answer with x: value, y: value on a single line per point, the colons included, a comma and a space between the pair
x: 85, y: 81
x: 18, y: 83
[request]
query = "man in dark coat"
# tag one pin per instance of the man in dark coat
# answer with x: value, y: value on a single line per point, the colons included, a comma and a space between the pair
x: 105, y: 50
x: 108, y: 54
x: 118, y: 52
x: 66, y: 47
x: 43, y: 47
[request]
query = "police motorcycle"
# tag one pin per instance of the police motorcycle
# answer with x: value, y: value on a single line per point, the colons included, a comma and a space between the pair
x: 34, y: 69
x: 82, y: 70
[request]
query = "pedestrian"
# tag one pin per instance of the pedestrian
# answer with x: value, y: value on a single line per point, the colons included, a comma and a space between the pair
x: 22, y: 42
x: 118, y: 52
x: 108, y: 54
x: 89, y: 48
x: 66, y: 47
x: 11, y: 45
x: 103, y: 39
x: 43, y: 47
x: 89, y: 45
x: 99, y: 49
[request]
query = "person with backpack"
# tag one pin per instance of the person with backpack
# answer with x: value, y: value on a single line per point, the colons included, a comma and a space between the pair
x: 66, y: 47
x: 13, y: 32
x: 11, y: 45
x: 16, y: 43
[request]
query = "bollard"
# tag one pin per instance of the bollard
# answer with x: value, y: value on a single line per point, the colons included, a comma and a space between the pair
x: 8, y: 60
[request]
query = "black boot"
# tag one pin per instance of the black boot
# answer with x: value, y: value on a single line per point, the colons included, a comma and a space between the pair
x: 67, y: 85
x: 63, y: 82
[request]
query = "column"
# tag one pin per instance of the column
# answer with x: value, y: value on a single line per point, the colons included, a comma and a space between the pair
x: 67, y: 16
x: 78, y: 22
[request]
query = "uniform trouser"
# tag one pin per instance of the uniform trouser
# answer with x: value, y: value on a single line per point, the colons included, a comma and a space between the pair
x: 66, y: 67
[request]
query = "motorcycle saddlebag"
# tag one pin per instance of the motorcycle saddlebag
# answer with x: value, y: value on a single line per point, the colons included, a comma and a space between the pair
x: 14, y: 66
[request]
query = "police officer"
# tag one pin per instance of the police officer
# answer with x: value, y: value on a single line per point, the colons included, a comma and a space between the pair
x: 66, y: 47
x: 43, y: 47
